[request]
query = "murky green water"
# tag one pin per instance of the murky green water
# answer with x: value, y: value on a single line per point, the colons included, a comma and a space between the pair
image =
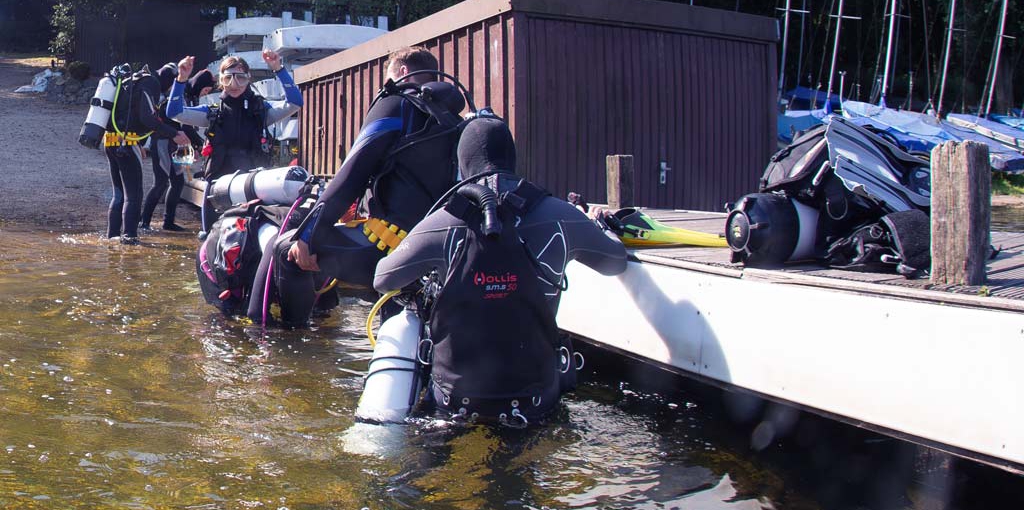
x: 120, y: 388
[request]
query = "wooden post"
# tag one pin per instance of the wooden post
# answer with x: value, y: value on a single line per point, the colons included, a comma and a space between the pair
x: 619, y: 170
x: 961, y: 213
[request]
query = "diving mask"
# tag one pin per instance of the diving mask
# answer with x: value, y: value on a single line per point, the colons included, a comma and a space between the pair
x: 238, y: 78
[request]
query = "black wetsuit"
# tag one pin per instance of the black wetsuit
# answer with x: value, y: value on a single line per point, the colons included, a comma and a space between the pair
x: 399, y: 186
x: 237, y: 136
x: 498, y: 338
x: 134, y: 113
x: 168, y: 179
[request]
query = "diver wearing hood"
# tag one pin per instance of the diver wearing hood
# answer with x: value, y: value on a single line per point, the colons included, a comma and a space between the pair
x: 236, y: 126
x: 495, y: 342
x: 401, y: 163
x: 168, y: 179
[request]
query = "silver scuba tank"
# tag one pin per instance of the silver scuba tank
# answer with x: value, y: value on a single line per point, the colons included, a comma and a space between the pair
x: 389, y: 391
x: 96, y: 120
x: 280, y: 186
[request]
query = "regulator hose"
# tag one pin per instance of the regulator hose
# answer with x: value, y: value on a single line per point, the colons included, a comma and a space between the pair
x: 373, y: 313
x: 487, y: 201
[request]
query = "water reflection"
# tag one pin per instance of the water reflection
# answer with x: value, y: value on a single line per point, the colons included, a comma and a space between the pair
x: 119, y: 387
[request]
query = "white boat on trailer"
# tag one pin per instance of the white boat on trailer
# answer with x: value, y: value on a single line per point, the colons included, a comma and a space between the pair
x: 304, y: 44
x: 936, y: 367
x: 246, y: 34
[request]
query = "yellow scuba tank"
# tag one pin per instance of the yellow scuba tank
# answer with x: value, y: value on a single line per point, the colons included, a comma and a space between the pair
x: 638, y: 230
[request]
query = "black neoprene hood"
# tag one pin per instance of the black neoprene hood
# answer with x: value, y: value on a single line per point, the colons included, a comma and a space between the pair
x: 486, y: 144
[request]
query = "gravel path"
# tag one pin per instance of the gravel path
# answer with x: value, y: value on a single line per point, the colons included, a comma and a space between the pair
x: 47, y: 179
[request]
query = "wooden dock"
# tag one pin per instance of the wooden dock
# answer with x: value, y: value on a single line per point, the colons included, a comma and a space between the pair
x: 938, y: 365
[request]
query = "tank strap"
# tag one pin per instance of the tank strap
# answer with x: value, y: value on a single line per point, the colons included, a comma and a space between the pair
x: 387, y: 236
x: 96, y: 101
x: 250, y: 186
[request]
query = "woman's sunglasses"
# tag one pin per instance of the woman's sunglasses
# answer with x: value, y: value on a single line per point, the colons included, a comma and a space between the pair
x: 238, y: 78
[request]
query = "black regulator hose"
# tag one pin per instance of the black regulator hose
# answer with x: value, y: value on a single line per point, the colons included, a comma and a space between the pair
x: 487, y: 201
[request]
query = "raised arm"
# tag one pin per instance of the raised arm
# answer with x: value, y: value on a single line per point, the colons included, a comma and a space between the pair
x: 176, y: 109
x: 293, y: 98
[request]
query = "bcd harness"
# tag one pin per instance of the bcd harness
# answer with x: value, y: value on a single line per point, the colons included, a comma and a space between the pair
x: 258, y: 139
x: 494, y: 346
x: 121, y: 138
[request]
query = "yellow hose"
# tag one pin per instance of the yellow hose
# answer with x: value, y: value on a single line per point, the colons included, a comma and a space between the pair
x: 113, y: 118
x: 373, y: 313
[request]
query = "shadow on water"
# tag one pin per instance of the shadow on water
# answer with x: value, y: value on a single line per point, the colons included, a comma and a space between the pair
x: 120, y: 387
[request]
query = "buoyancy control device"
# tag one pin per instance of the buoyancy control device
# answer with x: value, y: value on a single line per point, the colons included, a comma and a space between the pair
x: 227, y: 260
x: 407, y: 187
x: 113, y: 83
x: 496, y: 349
x: 280, y: 185
x: 817, y: 195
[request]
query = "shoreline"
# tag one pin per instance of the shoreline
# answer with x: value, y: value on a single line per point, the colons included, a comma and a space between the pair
x: 47, y: 166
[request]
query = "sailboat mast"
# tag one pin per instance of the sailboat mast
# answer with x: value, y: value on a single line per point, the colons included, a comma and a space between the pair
x: 888, y: 51
x: 785, y: 37
x: 995, y: 65
x: 945, y: 59
x: 835, y: 50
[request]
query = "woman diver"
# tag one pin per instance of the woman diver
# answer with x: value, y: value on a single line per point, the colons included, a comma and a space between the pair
x: 236, y: 127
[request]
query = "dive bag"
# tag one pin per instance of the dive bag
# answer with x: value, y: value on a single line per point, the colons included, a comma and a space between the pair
x: 818, y: 196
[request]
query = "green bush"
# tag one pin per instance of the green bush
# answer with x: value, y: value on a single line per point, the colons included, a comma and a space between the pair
x: 78, y: 70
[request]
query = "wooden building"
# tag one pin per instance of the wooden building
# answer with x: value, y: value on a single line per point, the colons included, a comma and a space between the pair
x: 151, y: 32
x: 688, y: 91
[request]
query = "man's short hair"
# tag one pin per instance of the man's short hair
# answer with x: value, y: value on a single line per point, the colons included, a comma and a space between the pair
x: 414, y: 58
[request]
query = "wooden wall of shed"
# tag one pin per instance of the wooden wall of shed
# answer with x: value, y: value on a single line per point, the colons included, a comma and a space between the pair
x: 575, y: 90
x: 477, y: 55
x: 702, y: 105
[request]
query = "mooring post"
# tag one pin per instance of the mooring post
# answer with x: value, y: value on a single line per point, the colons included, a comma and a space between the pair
x: 619, y: 170
x: 961, y: 213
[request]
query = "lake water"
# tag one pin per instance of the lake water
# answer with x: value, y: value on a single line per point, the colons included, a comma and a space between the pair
x: 121, y: 388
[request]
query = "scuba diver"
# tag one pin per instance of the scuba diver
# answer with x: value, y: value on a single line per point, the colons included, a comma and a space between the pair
x: 133, y: 118
x: 496, y: 253
x: 401, y: 163
x: 236, y: 128
x: 168, y: 179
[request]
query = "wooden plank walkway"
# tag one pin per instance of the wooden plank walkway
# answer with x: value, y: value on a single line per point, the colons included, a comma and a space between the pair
x: 1004, y: 288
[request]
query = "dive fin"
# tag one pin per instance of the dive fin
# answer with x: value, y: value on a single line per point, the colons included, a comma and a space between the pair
x: 638, y: 230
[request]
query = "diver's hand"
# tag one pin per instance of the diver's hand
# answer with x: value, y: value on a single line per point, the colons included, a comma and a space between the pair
x: 185, y: 68
x: 299, y: 253
x: 597, y: 212
x: 181, y: 139
x: 272, y: 59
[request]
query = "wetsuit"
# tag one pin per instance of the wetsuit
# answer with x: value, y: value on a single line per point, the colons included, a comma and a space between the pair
x: 398, y: 186
x: 135, y: 113
x: 237, y: 139
x: 494, y: 333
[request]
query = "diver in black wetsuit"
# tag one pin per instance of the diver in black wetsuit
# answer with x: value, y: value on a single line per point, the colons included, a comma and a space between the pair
x: 132, y: 119
x: 495, y: 341
x: 168, y: 179
x: 407, y: 161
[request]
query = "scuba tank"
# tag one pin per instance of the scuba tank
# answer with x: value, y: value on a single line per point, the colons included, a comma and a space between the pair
x: 770, y: 229
x: 270, y: 185
x: 391, y: 386
x: 100, y: 106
